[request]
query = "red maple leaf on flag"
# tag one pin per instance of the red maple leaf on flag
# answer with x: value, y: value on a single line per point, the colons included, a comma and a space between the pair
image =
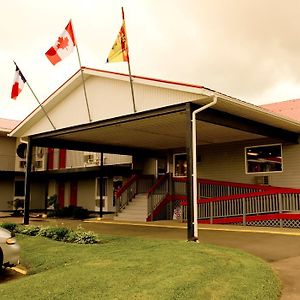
x: 62, y: 42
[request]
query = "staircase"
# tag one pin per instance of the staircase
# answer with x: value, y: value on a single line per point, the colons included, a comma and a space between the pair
x: 136, y: 210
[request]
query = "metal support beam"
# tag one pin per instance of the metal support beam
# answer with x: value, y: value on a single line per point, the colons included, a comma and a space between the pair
x: 27, y: 182
x: 93, y: 147
x: 189, y: 182
x: 231, y: 121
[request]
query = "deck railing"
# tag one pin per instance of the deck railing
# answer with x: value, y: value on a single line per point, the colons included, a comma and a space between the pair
x: 213, y: 188
x: 157, y: 194
x: 134, y: 185
x: 276, y: 200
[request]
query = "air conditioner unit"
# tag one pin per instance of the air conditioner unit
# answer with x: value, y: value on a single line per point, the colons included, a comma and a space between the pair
x: 39, y: 152
x: 91, y: 158
x: 39, y: 164
x: 262, y: 179
x: 22, y: 164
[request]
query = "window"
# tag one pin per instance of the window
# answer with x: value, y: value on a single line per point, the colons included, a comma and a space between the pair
x: 104, y: 189
x: 19, y: 188
x: 180, y: 165
x: 263, y: 159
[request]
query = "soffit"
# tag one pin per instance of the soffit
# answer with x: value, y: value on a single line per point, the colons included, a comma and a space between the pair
x: 156, y: 133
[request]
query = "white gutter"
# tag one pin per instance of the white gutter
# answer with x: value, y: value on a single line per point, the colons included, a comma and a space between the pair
x: 194, y: 150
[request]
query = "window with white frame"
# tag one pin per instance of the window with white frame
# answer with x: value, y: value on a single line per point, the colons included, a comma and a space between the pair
x: 263, y: 159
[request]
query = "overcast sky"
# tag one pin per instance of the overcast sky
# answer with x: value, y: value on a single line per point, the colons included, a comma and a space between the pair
x: 249, y: 49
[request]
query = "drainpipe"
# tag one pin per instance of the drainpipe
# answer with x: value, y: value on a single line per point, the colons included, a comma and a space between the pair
x: 194, y: 149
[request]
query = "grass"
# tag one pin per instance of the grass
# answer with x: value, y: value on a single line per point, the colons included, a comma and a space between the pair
x: 131, y: 268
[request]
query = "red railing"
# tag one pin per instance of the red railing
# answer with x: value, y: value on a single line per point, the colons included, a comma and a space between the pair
x: 230, y: 202
x: 126, y: 193
x: 229, y: 209
x: 156, y: 195
x: 135, y: 184
x: 126, y: 185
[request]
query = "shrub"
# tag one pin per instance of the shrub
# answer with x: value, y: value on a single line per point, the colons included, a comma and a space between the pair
x: 81, y: 237
x: 55, y: 233
x: 78, y: 236
x: 76, y: 212
x: 9, y: 226
x: 28, y: 230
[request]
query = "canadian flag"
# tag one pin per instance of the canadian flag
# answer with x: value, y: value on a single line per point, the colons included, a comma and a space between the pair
x: 63, y: 47
x: 18, y: 84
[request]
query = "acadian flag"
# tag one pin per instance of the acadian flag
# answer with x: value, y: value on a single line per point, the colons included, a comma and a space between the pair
x: 64, y: 45
x: 119, y: 51
x: 18, y: 84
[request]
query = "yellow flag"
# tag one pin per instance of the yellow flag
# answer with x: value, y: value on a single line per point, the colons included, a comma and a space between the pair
x: 119, y: 51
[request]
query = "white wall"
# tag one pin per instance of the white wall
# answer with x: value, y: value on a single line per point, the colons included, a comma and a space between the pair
x: 227, y: 162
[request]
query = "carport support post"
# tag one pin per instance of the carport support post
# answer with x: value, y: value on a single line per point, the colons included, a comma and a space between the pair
x: 189, y: 182
x: 101, y: 185
x: 27, y: 181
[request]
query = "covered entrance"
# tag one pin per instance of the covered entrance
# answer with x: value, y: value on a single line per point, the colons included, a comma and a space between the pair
x: 161, y: 127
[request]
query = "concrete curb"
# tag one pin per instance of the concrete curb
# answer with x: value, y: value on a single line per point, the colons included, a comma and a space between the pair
x: 277, y: 231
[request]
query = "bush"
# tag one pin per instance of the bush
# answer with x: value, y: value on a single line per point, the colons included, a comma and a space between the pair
x: 9, y: 226
x: 55, y: 233
x: 78, y: 236
x: 82, y: 237
x: 28, y: 230
x: 76, y: 212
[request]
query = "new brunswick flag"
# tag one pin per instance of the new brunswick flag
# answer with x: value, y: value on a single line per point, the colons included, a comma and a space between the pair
x: 119, y: 51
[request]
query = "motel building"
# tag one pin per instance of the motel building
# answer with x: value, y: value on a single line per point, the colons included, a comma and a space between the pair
x: 138, y: 164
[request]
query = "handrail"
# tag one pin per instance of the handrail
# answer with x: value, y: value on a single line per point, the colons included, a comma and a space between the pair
x: 273, y: 191
x: 155, y: 198
x: 241, y: 206
x: 158, y: 183
x: 127, y: 184
x: 225, y: 183
x: 122, y: 198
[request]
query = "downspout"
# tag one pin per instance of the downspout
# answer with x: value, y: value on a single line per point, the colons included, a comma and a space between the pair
x: 194, y: 150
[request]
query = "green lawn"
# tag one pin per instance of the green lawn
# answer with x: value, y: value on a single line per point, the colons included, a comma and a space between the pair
x: 131, y: 268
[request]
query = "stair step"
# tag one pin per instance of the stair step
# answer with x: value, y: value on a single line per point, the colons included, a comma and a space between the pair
x: 136, y: 210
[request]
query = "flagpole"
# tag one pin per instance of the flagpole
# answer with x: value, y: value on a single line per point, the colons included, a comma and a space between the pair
x: 129, y: 69
x: 83, y: 84
x: 131, y: 85
x: 41, y: 106
x: 82, y: 77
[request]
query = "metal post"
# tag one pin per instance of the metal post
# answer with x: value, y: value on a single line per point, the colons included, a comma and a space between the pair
x: 211, y: 208
x: 46, y: 196
x: 189, y: 182
x: 244, y: 212
x: 27, y: 182
x: 101, y: 185
x: 280, y: 209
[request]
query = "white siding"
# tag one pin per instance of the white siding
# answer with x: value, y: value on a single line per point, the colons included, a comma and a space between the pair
x: 7, y: 193
x: 86, y: 194
x: 107, y: 98
x: 227, y: 162
x: 7, y: 153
